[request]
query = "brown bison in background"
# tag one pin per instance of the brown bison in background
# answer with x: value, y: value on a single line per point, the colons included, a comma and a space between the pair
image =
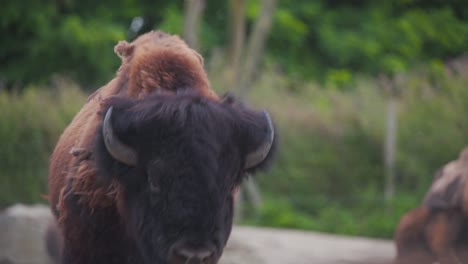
x: 146, y: 171
x: 438, y: 229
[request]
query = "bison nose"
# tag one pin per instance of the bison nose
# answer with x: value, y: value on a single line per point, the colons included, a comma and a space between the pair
x: 192, y: 255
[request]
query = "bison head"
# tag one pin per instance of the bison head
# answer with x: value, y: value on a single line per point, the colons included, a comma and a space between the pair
x: 177, y: 161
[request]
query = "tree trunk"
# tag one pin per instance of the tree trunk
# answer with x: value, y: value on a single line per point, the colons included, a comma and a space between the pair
x: 242, y: 79
x: 237, y: 38
x: 256, y: 45
x: 239, y: 207
x: 193, y: 13
x: 391, y: 88
x: 390, y: 148
x: 254, y: 193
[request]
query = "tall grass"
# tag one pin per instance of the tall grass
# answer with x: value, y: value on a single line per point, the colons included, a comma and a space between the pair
x: 329, y: 175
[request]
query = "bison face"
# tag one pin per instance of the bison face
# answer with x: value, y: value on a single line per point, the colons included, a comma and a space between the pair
x: 177, y: 161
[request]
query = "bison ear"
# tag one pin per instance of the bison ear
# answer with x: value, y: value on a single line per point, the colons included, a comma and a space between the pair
x: 123, y: 49
x: 228, y: 98
x: 259, y: 141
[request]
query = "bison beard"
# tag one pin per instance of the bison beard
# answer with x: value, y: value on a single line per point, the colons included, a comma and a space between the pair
x: 174, y: 198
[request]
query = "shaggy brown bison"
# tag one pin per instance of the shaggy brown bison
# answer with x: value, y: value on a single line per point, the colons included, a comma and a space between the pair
x: 438, y: 229
x: 154, y: 63
x: 146, y: 171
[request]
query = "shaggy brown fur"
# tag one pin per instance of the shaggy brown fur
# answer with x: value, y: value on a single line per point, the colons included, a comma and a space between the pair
x: 437, y: 230
x: 154, y: 63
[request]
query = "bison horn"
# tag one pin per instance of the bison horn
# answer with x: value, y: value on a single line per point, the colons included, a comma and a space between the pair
x: 116, y: 148
x: 258, y: 155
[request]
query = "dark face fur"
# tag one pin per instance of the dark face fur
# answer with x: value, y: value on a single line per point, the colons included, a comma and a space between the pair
x: 189, y: 156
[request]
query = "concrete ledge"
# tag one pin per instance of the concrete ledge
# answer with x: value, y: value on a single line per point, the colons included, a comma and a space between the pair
x: 22, y: 230
x: 280, y: 246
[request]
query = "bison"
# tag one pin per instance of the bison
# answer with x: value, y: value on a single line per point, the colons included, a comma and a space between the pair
x: 147, y: 170
x: 437, y: 230
x: 154, y: 63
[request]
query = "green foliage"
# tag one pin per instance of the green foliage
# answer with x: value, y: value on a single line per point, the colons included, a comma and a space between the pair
x: 30, y: 125
x: 329, y: 174
x: 370, y: 37
x: 433, y: 117
x: 173, y: 20
x: 72, y: 38
x: 279, y: 213
x: 46, y: 38
x: 328, y: 41
x: 368, y: 216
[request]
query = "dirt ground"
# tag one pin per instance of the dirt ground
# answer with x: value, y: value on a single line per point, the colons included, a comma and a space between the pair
x: 277, y: 246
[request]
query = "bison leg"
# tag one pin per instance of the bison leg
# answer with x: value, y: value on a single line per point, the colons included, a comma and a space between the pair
x: 441, y: 233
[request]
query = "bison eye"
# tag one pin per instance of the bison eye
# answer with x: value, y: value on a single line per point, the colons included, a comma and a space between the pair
x: 153, y: 185
x: 154, y: 188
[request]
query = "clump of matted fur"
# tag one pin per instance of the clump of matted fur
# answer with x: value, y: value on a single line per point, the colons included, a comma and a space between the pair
x: 450, y: 186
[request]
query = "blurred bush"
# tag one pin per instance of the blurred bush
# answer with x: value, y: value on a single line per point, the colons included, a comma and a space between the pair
x: 329, y: 174
x: 321, y: 40
x: 326, y: 39
x: 31, y: 123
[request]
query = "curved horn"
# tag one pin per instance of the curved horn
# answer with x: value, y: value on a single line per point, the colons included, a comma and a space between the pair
x: 260, y: 153
x: 116, y: 148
